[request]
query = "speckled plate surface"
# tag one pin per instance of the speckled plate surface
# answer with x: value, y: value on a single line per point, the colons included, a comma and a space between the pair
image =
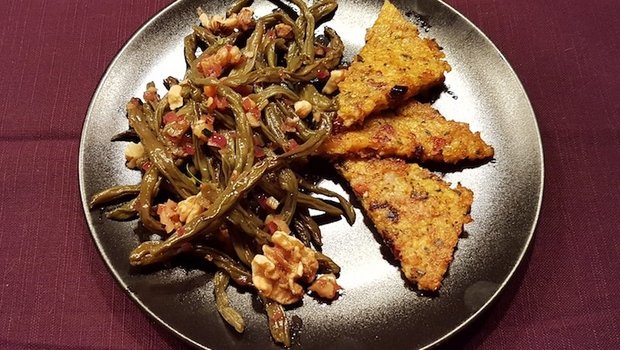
x: 377, y: 310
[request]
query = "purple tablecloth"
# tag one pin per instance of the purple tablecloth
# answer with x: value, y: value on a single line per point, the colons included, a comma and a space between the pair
x: 55, y: 292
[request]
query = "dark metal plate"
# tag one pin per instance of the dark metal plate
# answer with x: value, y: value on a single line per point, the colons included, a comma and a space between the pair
x: 377, y: 310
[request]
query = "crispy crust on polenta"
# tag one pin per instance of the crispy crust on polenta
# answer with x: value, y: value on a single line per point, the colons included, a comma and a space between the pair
x: 417, y: 213
x: 415, y: 131
x: 394, y: 65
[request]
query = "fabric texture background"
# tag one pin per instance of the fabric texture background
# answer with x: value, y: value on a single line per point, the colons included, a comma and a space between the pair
x: 55, y: 292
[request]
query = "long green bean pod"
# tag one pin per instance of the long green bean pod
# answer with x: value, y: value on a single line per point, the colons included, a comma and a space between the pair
x: 322, y: 9
x: 113, y: 194
x: 236, y: 271
x: 288, y: 182
x: 278, y: 323
x: 346, y: 206
x: 150, y: 182
x: 125, y: 212
x: 222, y: 302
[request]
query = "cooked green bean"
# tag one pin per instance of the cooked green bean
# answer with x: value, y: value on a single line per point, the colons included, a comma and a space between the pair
x: 150, y: 182
x: 322, y: 9
x: 243, y: 247
x: 326, y: 264
x: 262, y: 98
x: 125, y: 212
x: 278, y: 323
x: 112, y: 194
x: 288, y: 182
x: 237, y: 272
x: 222, y: 303
x: 301, y: 231
x: 189, y: 48
x: 346, y: 206
x: 313, y: 228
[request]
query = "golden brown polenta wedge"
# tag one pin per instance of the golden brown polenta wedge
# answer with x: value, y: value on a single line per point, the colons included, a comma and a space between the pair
x: 415, y: 131
x: 394, y: 64
x: 417, y: 213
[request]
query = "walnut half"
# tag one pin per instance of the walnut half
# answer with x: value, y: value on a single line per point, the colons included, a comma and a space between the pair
x: 277, y: 273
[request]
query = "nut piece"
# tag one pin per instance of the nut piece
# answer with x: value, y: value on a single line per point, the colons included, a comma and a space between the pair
x: 133, y: 153
x: 175, y: 100
x: 191, y: 207
x: 302, y: 108
x: 214, y: 65
x: 220, y: 25
x: 326, y: 286
x: 276, y: 273
x: 284, y: 31
x: 335, y: 77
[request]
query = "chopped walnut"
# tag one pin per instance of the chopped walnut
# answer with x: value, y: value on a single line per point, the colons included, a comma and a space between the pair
x: 175, y: 100
x: 302, y: 108
x: 133, y: 153
x: 246, y: 19
x: 191, y: 207
x: 277, y: 273
x: 168, y: 215
x: 335, y: 77
x: 219, y: 25
x: 214, y: 65
x: 284, y: 31
x: 173, y: 215
x: 326, y: 286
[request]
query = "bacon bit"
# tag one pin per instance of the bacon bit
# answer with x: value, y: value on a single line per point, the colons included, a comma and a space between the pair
x: 278, y: 221
x: 147, y: 165
x: 172, y: 117
x: 214, y: 70
x: 322, y: 74
x: 186, y: 247
x: 259, y: 152
x: 210, y: 90
x: 258, y: 140
x: 292, y: 144
x: 271, y: 227
x: 248, y: 104
x: 262, y: 201
x: 217, y: 140
x: 151, y: 95
x: 168, y: 215
x: 180, y: 231
x: 189, y: 149
x: 220, y: 102
x: 271, y: 34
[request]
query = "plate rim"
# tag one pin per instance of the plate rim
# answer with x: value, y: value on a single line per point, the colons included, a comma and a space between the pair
x: 463, y: 324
